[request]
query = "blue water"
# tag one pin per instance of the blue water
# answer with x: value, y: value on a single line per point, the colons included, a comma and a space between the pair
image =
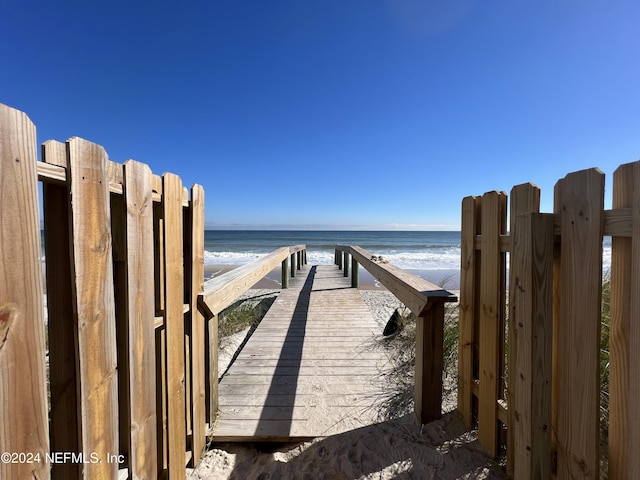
x: 409, y: 250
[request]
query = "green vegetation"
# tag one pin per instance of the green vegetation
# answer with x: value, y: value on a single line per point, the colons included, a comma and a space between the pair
x: 242, y: 315
x: 402, y: 356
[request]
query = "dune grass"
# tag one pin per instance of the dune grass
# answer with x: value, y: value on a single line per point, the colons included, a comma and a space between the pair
x: 402, y: 356
x: 242, y: 315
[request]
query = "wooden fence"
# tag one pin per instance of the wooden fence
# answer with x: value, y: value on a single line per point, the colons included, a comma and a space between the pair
x: 125, y: 340
x: 536, y: 394
x: 115, y: 381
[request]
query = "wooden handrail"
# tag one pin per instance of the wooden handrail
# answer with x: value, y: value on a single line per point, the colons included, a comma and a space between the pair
x: 415, y: 292
x: 222, y: 291
x: 426, y: 301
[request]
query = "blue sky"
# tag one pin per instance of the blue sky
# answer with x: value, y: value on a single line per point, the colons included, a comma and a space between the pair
x: 345, y: 114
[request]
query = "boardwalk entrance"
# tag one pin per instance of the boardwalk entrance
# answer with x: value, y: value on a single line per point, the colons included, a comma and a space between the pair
x: 312, y: 368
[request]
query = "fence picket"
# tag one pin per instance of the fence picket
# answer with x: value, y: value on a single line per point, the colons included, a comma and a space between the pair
x: 196, y: 288
x: 174, y: 324
x: 531, y: 276
x: 523, y: 199
x: 467, y: 307
x: 578, y: 366
x: 23, y: 396
x: 92, y: 284
x: 140, y: 314
x: 491, y: 317
x: 633, y: 468
x: 624, y: 395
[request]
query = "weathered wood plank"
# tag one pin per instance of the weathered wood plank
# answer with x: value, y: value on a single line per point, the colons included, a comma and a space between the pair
x: 624, y: 395
x: 174, y: 324
x: 321, y: 386
x: 305, y: 375
x: 140, y: 312
x: 429, y: 364
x: 633, y: 467
x: 491, y: 317
x: 578, y: 367
x: 211, y: 366
x: 92, y: 286
x: 467, y: 318
x: 531, y: 322
x: 119, y: 248
x: 414, y: 291
x: 523, y: 199
x: 196, y: 288
x: 23, y: 396
x: 262, y: 393
x: 62, y: 351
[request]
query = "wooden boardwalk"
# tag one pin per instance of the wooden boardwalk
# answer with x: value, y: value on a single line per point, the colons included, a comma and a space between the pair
x: 312, y: 368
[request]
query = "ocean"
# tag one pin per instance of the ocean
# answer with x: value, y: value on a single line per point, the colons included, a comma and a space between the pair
x: 432, y: 255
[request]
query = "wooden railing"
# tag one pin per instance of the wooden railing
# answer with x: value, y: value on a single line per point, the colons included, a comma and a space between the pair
x: 426, y: 301
x: 544, y: 389
x: 220, y: 292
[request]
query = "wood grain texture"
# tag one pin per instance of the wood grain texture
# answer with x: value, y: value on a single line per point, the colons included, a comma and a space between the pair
x: 523, y: 199
x: 531, y: 273
x: 429, y: 364
x: 633, y: 467
x: 198, y: 339
x: 23, y: 397
x: 491, y: 317
x: 140, y: 312
x: 211, y: 369
x: 312, y: 367
x: 414, y: 291
x: 467, y: 342
x: 624, y: 395
x: 94, y: 306
x: 582, y: 198
x: 174, y: 324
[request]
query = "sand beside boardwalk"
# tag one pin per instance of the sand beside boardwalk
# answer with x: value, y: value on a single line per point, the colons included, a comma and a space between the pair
x: 394, y: 448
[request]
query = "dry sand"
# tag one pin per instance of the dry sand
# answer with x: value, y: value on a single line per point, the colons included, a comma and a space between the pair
x: 394, y: 448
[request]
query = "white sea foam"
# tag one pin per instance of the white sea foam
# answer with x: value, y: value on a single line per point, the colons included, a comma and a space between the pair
x: 420, y: 260
x: 428, y: 259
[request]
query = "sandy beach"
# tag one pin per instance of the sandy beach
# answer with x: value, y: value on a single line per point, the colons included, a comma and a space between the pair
x: 395, y: 447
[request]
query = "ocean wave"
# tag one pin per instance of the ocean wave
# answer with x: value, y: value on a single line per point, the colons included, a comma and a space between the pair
x: 443, y: 259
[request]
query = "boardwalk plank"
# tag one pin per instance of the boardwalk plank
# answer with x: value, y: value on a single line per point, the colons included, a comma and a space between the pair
x: 313, y: 367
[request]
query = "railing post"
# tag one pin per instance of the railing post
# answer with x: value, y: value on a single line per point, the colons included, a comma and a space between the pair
x: 346, y: 264
x: 285, y: 273
x: 211, y: 368
x: 429, y: 364
x: 339, y: 258
x: 355, y: 278
x: 293, y: 265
